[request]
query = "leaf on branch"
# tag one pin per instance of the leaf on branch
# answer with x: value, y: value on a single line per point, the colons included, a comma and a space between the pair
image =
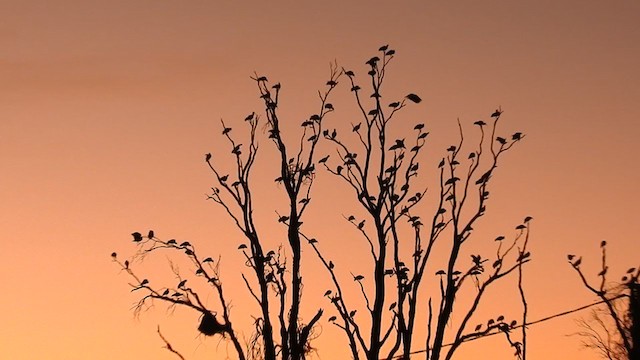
x: 394, y: 104
x: 356, y: 127
x: 353, y: 313
x: 327, y: 293
x: 373, y: 112
x: 181, y: 284
x: 500, y: 238
x: 415, y: 98
x: 242, y: 246
x: 332, y: 83
x: 333, y: 318
x: 351, y: 218
x: 441, y: 164
x: 331, y: 265
x: 496, y: 113
x: 312, y: 241
x: 361, y: 224
x: 349, y: 73
x: 236, y: 150
x: 323, y: 160
x: 517, y: 136
x: 224, y: 178
x: 185, y: 244
x: 226, y: 130
x: 520, y: 227
x: 250, y: 116
x: 328, y: 106
x: 358, y: 278
x: 339, y: 169
x: 383, y: 48
x: 312, y: 138
x: 501, y: 140
x: 137, y: 237
x: 207, y: 260
x: 144, y: 282
x: 114, y: 255
x: 423, y: 135
x: 390, y: 52
x: 480, y: 123
x: 262, y: 78
x: 419, y: 127
x: 165, y: 292
x: 207, y: 157
x: 355, y: 88
x: 392, y: 306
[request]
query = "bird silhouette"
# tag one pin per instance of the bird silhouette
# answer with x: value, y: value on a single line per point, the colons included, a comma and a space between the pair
x: 413, y: 97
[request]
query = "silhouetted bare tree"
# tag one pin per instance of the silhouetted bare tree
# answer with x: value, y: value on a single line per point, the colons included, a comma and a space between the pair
x: 613, y: 329
x: 381, y: 171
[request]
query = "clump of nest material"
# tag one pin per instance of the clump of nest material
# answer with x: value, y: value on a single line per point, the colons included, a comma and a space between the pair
x: 210, y: 326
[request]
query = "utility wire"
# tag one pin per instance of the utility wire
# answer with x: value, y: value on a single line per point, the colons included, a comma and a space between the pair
x: 550, y: 317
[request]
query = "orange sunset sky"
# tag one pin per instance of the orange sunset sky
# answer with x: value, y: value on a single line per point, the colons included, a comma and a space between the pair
x: 108, y: 107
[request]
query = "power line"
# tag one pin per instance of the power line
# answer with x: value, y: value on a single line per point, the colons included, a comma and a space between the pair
x: 550, y: 317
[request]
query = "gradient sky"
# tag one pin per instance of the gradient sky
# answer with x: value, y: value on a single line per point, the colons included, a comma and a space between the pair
x: 107, y: 107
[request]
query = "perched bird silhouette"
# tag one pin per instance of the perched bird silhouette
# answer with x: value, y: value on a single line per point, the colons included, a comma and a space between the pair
x: 413, y: 97
x: 398, y: 145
